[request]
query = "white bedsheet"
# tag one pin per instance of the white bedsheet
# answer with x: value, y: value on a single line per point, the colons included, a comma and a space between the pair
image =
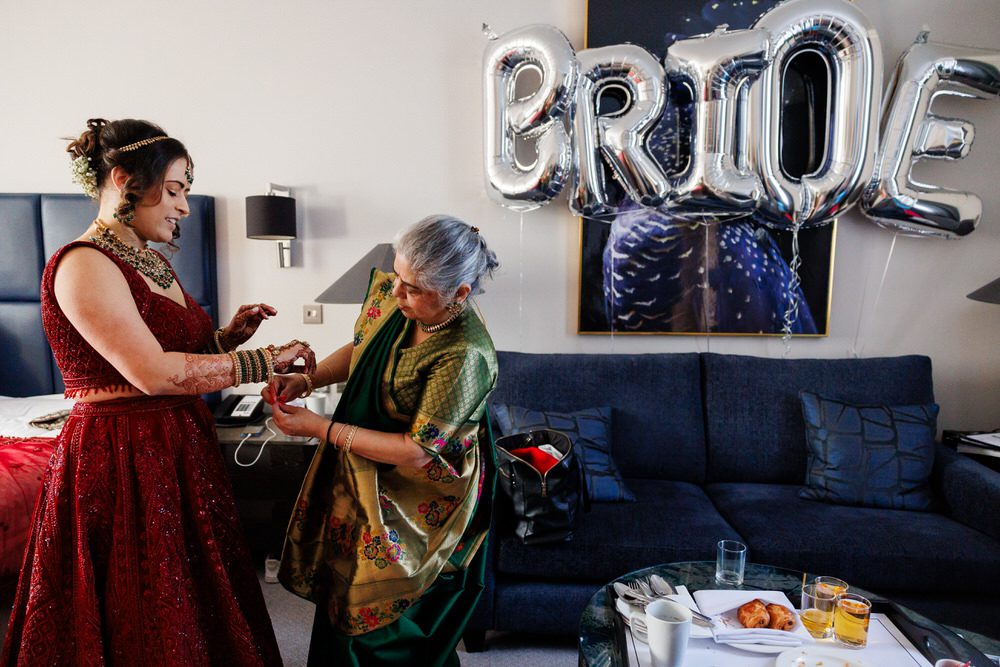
x: 15, y: 413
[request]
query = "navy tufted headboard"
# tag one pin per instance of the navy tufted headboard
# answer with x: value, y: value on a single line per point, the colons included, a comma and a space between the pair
x: 34, y: 226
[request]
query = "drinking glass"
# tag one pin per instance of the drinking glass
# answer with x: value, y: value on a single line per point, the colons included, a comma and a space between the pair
x: 730, y: 562
x: 850, y: 620
x: 818, y: 604
x: 833, y: 585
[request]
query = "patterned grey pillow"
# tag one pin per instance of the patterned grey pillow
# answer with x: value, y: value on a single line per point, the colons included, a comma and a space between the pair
x: 589, y: 431
x: 869, y: 455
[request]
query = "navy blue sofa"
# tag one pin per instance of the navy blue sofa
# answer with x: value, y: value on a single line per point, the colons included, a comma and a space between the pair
x: 714, y: 448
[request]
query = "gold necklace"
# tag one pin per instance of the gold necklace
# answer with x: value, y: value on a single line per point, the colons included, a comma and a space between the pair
x: 432, y: 328
x: 145, y: 261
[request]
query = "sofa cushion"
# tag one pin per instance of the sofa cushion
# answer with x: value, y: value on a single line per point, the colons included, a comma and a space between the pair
x: 588, y: 430
x: 876, y: 549
x: 672, y: 521
x: 658, y: 427
x: 753, y: 416
x: 870, y: 455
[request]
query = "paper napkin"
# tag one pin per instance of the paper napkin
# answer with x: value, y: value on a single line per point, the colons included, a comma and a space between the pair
x: 722, y: 605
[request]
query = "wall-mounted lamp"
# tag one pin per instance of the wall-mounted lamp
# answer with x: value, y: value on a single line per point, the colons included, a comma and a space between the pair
x: 350, y: 287
x: 271, y: 217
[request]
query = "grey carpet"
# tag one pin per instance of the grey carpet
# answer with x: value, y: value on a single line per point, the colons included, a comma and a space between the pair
x: 292, y: 618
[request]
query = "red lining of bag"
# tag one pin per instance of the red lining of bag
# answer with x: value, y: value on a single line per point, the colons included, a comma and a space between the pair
x: 539, y: 460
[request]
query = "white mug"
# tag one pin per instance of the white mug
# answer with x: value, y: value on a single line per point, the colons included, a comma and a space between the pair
x: 668, y: 625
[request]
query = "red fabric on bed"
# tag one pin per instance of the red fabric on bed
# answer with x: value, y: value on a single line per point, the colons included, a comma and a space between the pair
x: 22, y: 462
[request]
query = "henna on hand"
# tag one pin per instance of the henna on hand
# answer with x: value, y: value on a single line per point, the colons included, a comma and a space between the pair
x: 204, y: 373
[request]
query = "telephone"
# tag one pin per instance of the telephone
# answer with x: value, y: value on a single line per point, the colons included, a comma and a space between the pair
x: 238, y: 410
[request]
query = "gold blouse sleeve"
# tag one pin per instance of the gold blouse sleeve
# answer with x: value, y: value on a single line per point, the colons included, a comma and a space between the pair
x: 447, y: 418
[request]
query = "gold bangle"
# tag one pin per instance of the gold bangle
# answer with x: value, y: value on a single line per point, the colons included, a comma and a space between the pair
x: 350, y: 439
x: 337, y: 437
x: 309, y: 385
x: 268, y: 363
x: 237, y: 375
x: 217, y: 336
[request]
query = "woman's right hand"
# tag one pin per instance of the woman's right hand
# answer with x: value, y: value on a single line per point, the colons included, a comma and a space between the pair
x: 284, y: 388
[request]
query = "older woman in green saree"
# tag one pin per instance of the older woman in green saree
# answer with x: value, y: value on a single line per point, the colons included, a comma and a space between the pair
x: 387, y: 535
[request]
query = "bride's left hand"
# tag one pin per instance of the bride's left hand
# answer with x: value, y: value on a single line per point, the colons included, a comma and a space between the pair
x: 299, y: 421
x: 245, y: 323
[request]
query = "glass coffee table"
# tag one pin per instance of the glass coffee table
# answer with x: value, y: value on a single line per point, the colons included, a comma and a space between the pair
x: 601, y: 626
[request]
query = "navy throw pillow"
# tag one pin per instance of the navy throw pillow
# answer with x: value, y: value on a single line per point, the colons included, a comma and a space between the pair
x: 589, y: 431
x: 869, y: 455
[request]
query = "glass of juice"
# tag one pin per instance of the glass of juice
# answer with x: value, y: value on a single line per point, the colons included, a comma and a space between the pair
x: 817, y: 610
x: 850, y: 620
x: 832, y: 584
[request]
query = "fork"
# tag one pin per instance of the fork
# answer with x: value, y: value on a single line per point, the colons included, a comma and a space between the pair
x: 641, y: 589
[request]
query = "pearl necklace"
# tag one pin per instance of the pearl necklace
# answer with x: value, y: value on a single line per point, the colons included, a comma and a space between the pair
x: 432, y: 328
x: 145, y: 261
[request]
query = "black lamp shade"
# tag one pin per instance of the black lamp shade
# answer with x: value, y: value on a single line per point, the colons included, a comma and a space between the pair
x: 270, y: 217
x: 350, y: 287
x: 988, y: 293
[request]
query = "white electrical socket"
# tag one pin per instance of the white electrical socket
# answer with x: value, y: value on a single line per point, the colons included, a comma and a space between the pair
x: 312, y: 314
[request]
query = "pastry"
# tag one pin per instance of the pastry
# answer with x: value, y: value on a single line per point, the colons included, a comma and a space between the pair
x: 782, y: 618
x: 753, y: 615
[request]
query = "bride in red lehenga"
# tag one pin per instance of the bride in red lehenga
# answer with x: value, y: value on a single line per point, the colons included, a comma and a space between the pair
x: 135, y: 555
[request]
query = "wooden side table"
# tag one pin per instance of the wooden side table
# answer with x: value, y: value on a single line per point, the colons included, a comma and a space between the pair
x: 266, y: 491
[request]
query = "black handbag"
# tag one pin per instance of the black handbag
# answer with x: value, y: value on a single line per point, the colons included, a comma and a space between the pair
x: 546, y: 506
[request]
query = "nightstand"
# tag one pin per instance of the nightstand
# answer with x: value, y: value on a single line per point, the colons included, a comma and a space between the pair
x: 266, y: 492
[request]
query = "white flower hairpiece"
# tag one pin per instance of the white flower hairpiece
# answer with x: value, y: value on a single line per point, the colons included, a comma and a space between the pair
x: 85, y: 176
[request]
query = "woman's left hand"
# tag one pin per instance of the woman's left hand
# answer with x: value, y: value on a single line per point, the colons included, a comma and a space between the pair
x: 299, y: 421
x: 245, y: 322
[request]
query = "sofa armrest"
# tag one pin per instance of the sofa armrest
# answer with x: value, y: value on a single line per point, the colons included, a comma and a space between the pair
x: 970, y: 490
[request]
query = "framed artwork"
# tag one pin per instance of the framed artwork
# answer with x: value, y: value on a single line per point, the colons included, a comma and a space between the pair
x: 643, y: 271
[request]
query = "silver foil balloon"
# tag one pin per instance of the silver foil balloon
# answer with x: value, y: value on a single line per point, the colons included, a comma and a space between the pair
x: 537, y: 116
x: 715, y: 68
x: 911, y: 133
x: 843, y: 37
x: 619, y: 137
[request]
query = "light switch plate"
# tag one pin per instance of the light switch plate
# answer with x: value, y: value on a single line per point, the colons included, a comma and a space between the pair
x: 312, y: 314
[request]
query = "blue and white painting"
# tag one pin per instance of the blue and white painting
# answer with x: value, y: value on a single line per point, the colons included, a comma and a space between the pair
x: 646, y: 272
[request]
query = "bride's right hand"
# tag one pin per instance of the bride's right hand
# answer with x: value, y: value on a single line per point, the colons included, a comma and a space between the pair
x: 284, y: 388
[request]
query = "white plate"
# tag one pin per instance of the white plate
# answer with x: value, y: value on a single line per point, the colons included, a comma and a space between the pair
x: 818, y: 657
x: 765, y: 648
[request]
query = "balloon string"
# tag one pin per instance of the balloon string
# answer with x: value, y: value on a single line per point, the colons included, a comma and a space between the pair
x: 613, y: 310
x: 881, y: 284
x: 520, y: 284
x: 704, y: 295
x: 792, y: 310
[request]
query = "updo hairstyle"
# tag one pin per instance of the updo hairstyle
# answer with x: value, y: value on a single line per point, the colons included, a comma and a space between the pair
x: 145, y: 166
x: 444, y: 253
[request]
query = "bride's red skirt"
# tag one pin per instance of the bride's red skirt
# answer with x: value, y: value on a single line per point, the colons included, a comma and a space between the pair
x: 136, y: 555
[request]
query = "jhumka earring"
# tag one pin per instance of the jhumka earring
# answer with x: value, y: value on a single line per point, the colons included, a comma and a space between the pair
x: 455, y: 307
x: 125, y: 213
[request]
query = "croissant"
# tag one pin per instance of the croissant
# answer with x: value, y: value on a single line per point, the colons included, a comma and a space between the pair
x: 753, y: 615
x: 781, y: 617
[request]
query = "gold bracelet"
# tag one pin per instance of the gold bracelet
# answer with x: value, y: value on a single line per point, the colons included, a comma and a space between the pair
x: 337, y: 437
x: 217, y: 336
x: 309, y: 384
x: 237, y: 375
x: 350, y: 439
x: 268, y: 363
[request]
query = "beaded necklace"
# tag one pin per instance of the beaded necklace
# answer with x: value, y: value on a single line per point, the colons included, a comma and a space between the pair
x: 432, y: 328
x: 145, y: 261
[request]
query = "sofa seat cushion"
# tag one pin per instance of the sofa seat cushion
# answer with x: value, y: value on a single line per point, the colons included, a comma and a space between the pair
x: 615, y: 538
x: 881, y: 550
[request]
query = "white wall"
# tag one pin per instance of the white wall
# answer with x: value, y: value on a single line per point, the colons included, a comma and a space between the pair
x: 372, y: 112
